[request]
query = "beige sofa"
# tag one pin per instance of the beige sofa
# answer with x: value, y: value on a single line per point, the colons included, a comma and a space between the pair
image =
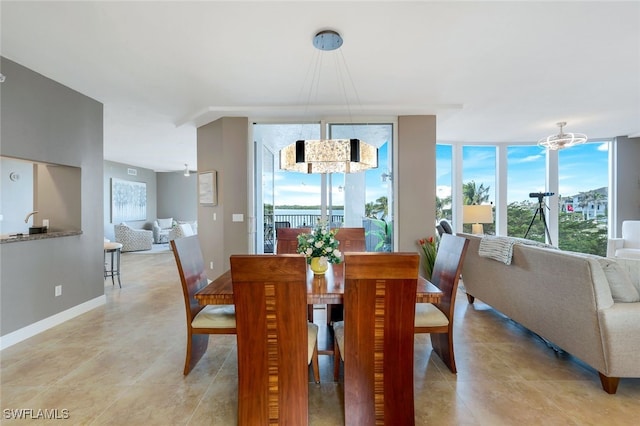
x: 566, y: 298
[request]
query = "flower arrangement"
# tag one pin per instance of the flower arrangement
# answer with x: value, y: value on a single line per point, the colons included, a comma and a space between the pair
x: 320, y: 242
x: 429, y: 247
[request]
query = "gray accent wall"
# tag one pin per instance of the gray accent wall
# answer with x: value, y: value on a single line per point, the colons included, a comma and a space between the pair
x: 177, y: 195
x: 122, y: 171
x: 628, y: 181
x: 45, y: 121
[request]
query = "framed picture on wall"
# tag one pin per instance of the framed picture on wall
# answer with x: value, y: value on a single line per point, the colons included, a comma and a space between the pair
x: 128, y: 200
x: 208, y: 188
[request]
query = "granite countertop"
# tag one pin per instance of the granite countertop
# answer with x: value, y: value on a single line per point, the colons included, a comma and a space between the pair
x: 31, y: 237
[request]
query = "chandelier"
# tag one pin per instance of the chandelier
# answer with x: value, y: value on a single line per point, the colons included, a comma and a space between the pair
x: 328, y: 155
x: 562, y: 140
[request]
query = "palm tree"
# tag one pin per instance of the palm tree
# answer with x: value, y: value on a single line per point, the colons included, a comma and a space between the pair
x: 381, y: 206
x: 369, y: 210
x: 473, y: 194
x: 441, y: 203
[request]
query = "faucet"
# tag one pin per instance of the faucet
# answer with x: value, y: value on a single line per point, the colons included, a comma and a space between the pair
x: 26, y: 219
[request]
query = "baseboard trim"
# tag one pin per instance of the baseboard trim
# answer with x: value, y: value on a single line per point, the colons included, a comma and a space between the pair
x: 31, y: 330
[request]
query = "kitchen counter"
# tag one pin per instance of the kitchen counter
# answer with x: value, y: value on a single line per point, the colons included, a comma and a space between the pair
x: 31, y: 237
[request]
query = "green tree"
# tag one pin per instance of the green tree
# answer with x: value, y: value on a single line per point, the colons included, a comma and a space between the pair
x: 441, y: 211
x: 381, y: 207
x: 369, y: 210
x: 473, y: 194
x: 584, y: 236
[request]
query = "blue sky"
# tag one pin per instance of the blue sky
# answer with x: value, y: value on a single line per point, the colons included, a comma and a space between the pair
x: 304, y: 189
x: 582, y: 168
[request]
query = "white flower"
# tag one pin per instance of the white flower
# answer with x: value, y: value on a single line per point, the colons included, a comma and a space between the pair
x: 318, y: 244
x: 323, y: 261
x: 308, y: 251
x: 336, y: 253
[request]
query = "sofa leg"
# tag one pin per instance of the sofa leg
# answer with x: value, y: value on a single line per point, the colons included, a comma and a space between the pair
x: 609, y: 384
x: 470, y: 299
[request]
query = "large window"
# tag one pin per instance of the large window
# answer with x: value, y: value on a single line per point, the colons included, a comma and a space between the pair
x: 576, y: 214
x: 526, y: 173
x: 583, y: 175
x: 291, y: 199
x: 479, y: 180
x: 444, y: 182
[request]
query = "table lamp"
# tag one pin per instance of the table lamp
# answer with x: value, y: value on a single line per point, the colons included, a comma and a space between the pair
x: 477, y: 215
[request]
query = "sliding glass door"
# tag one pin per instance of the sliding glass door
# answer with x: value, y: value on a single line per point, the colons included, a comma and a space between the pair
x: 300, y: 200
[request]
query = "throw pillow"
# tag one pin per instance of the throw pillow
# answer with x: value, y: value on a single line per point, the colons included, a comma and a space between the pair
x: 622, y: 290
x: 165, y: 223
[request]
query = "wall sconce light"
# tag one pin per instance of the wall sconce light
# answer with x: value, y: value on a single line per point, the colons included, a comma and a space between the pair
x: 477, y: 215
x: 186, y: 170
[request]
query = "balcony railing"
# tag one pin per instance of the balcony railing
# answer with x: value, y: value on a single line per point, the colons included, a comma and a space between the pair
x: 375, y: 238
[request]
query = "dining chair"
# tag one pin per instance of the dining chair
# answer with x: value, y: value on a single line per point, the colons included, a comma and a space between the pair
x: 351, y: 240
x: 201, y: 320
x: 287, y: 239
x: 437, y: 319
x: 375, y: 340
x: 275, y: 341
x: 287, y: 243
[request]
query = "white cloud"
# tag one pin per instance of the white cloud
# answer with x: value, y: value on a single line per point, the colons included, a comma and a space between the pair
x: 528, y: 159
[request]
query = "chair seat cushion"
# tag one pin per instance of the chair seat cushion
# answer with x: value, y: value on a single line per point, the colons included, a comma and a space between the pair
x: 312, y: 332
x: 215, y: 316
x: 338, y: 334
x: 427, y: 315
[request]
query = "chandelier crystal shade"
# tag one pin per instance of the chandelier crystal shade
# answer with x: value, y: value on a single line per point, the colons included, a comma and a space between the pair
x: 562, y: 140
x: 328, y: 156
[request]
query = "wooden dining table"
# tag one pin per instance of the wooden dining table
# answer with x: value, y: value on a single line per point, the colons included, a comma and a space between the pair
x: 321, y: 289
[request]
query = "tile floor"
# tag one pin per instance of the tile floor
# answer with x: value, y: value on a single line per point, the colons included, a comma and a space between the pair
x: 122, y: 364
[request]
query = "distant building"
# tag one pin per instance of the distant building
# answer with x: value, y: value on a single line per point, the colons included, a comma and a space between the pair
x: 591, y: 204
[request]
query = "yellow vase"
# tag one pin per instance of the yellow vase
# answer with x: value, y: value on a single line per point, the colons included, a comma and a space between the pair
x: 319, y: 265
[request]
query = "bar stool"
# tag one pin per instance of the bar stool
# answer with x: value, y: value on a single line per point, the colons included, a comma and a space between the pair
x: 113, y: 249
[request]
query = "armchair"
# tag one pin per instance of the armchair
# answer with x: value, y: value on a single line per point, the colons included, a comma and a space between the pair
x: 161, y: 229
x: 133, y: 239
x: 180, y: 231
x: 628, y: 246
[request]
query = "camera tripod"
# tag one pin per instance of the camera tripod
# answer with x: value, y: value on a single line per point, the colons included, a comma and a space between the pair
x: 539, y: 211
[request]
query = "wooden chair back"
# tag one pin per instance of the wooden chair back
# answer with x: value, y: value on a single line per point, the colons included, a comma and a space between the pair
x: 192, y: 272
x: 270, y: 295
x: 379, y: 299
x: 447, y: 269
x: 446, y: 274
x: 193, y: 278
x: 287, y: 239
x: 351, y: 240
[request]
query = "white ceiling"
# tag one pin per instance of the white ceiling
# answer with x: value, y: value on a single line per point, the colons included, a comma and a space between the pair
x: 490, y: 71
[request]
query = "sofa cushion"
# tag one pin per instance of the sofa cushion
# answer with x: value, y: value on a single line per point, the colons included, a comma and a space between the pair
x: 632, y: 267
x: 622, y: 290
x: 628, y: 253
x: 165, y: 223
